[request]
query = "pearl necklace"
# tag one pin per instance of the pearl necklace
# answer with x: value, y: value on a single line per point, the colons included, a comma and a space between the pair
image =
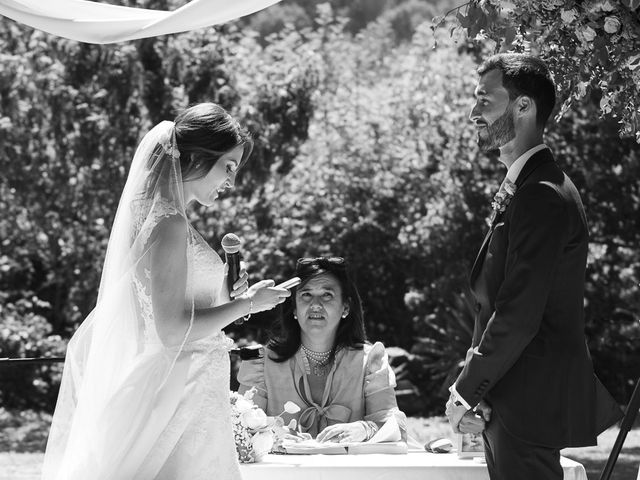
x: 318, y: 361
x: 319, y: 357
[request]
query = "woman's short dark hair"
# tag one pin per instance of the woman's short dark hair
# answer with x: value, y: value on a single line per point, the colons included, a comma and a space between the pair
x: 205, y: 132
x: 524, y: 74
x: 351, y: 332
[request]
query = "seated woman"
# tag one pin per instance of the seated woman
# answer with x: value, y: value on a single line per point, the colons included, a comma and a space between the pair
x: 321, y: 361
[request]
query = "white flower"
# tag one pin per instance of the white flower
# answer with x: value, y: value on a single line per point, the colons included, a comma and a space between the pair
x: 605, y: 104
x: 589, y: 33
x: 582, y: 89
x: 552, y: 4
x: 612, y: 24
x: 243, y: 405
x: 569, y: 16
x: 262, y: 443
x: 254, y: 419
x: 633, y: 63
x: 607, y: 6
x: 510, y: 188
x: 291, y: 407
x: 254, y: 432
x: 249, y: 394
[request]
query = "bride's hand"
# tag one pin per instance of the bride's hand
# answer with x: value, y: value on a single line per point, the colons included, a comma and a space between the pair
x: 264, y: 296
x: 242, y: 284
x: 239, y: 288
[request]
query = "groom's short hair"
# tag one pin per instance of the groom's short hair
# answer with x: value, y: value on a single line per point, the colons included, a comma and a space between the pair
x: 524, y: 74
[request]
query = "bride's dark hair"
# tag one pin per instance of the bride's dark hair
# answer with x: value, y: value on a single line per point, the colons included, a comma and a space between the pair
x: 205, y: 132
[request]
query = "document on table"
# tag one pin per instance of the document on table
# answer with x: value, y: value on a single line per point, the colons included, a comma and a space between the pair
x: 386, y: 440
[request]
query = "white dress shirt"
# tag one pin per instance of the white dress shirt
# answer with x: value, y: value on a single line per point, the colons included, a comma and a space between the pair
x: 517, y: 166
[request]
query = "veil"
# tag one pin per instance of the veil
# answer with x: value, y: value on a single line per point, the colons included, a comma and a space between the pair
x: 120, y: 384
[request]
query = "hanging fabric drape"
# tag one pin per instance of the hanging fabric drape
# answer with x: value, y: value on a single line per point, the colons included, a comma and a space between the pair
x: 93, y: 22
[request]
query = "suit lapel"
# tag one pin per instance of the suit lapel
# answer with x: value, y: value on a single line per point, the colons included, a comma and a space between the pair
x: 539, y: 158
x: 480, y: 257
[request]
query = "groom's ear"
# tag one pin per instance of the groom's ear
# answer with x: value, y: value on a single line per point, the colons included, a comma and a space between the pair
x: 525, y: 106
x: 525, y: 110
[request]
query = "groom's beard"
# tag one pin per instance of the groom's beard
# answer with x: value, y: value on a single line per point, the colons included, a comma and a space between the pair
x: 499, y: 133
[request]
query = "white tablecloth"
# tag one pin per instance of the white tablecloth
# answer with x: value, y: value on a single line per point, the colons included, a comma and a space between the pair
x: 413, y: 466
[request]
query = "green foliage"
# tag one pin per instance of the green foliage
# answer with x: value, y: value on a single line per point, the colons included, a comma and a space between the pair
x: 405, y: 18
x: 592, y: 47
x: 272, y: 20
x: 442, y: 340
x: 25, y: 333
x: 67, y: 114
x: 379, y: 178
x: 23, y: 430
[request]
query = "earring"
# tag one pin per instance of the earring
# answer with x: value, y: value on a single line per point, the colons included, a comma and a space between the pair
x: 295, y: 316
x: 344, y: 315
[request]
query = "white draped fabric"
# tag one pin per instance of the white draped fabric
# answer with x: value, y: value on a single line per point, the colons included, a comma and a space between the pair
x: 94, y: 22
x: 413, y: 466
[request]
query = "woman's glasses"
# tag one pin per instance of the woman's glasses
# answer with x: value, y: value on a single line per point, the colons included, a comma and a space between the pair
x: 321, y: 261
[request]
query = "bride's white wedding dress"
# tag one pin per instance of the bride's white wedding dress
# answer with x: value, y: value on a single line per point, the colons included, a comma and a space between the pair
x: 197, y: 442
x: 131, y: 407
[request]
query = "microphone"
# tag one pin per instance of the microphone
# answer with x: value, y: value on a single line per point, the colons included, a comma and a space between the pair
x: 231, y: 246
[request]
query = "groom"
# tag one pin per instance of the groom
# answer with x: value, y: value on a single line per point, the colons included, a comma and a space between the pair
x: 528, y: 373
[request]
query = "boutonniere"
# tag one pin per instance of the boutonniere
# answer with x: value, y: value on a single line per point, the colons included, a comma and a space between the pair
x: 501, y: 200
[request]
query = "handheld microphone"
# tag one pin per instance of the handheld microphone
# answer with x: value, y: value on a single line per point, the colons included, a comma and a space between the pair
x: 231, y: 246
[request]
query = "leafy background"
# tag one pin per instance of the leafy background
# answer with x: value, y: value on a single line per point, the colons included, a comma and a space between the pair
x: 363, y: 149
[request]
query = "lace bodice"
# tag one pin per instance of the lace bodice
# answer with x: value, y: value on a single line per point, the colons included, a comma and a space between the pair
x: 207, y: 272
x: 204, y: 278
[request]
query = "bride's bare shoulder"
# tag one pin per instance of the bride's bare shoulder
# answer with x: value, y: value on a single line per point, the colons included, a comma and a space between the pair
x: 170, y: 229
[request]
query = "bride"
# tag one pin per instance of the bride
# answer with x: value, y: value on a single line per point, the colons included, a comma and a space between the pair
x: 145, y: 388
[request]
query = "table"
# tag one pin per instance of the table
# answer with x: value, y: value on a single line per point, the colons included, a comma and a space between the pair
x: 413, y: 466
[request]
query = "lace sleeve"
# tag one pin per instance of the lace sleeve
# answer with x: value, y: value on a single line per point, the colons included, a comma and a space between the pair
x: 148, y: 214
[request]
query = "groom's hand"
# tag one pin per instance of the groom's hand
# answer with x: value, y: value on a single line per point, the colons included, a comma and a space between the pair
x: 454, y: 413
x: 484, y: 410
x: 471, y: 423
x: 463, y: 420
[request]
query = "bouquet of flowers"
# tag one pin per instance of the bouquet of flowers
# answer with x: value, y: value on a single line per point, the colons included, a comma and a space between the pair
x: 254, y: 432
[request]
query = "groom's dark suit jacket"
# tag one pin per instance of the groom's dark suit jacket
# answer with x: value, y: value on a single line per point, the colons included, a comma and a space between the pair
x: 529, y: 357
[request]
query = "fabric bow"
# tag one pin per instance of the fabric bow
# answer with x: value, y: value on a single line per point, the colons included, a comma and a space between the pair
x: 318, y: 417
